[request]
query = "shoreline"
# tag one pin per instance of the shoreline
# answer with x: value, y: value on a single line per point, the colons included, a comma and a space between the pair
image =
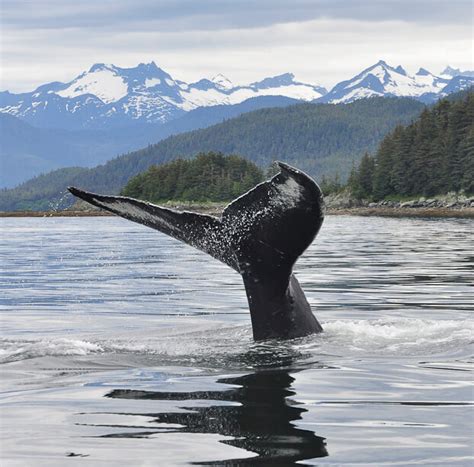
x: 464, y: 213
x: 381, y: 211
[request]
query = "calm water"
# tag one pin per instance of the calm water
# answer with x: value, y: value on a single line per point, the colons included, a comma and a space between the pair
x: 121, y: 346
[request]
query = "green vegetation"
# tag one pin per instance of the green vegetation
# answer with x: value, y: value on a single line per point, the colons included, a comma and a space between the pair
x: 42, y: 193
x: 208, y: 177
x: 321, y: 139
x: 331, y: 184
x: 433, y: 155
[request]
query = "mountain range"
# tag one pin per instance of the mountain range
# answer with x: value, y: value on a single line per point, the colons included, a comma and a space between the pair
x: 107, y: 110
x: 107, y: 96
x: 321, y: 139
x: 27, y: 151
x: 382, y: 79
x: 452, y: 72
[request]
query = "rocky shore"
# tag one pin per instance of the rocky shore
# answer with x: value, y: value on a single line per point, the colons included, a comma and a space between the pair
x: 450, y: 205
x: 467, y: 213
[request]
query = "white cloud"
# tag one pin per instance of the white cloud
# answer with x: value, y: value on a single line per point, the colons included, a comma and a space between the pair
x: 324, y: 50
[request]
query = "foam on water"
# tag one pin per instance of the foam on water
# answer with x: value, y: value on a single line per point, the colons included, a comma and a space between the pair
x: 14, y: 350
x: 364, y: 338
x: 103, y: 307
x: 397, y: 336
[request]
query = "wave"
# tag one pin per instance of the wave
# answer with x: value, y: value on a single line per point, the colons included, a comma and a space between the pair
x: 397, y: 336
x: 13, y: 350
x: 365, y: 338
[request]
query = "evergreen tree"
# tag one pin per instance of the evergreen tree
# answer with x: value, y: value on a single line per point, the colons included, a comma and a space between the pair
x: 383, y: 185
x: 208, y: 177
x: 433, y: 155
x: 467, y: 157
x: 363, y: 186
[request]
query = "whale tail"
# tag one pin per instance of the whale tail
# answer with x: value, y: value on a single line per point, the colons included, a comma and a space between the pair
x: 260, y: 234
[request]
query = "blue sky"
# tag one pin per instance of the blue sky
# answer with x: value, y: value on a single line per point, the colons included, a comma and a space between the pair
x: 321, y: 41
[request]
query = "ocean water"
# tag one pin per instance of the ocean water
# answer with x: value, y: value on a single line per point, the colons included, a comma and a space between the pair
x: 121, y: 346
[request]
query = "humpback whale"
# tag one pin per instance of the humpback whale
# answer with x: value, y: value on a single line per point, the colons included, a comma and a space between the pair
x: 260, y: 235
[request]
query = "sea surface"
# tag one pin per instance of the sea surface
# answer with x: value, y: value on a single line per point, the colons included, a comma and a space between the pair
x: 121, y: 346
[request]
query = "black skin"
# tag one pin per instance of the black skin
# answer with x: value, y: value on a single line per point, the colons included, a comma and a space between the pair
x: 260, y: 235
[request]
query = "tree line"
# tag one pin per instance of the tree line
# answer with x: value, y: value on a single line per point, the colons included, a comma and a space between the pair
x: 209, y: 176
x: 320, y: 139
x: 433, y: 155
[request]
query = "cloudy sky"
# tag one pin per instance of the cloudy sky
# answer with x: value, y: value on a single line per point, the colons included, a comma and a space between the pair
x: 320, y: 41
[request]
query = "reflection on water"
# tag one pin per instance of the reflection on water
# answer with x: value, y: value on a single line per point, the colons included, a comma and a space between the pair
x: 100, y: 306
x: 259, y: 418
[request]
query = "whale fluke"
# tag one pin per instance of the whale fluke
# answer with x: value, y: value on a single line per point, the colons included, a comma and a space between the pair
x: 199, y: 230
x: 260, y: 235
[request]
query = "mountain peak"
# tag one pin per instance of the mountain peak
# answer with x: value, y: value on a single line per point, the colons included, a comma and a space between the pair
x: 284, y: 79
x: 423, y: 72
x: 401, y: 70
x: 382, y: 79
x: 286, y: 76
x: 381, y: 65
x: 450, y: 71
x: 142, y: 68
x: 222, y: 81
x: 100, y: 67
x: 148, y: 66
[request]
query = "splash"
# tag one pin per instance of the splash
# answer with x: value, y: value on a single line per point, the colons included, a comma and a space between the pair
x: 381, y: 338
x: 14, y: 350
x: 396, y: 337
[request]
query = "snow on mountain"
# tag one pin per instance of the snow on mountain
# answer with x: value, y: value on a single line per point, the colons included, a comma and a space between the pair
x: 458, y: 83
x: 104, y: 96
x: 289, y: 87
x: 453, y: 72
x: 103, y: 82
x: 219, y: 90
x: 107, y: 95
x: 222, y: 82
x: 433, y: 83
x: 382, y: 79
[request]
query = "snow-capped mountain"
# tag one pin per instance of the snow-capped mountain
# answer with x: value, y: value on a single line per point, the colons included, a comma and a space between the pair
x: 220, y: 91
x: 458, y: 83
x: 452, y: 72
x: 107, y: 95
x: 382, y: 79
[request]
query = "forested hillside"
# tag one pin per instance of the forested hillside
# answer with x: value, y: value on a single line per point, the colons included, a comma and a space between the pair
x: 321, y: 139
x: 433, y: 155
x: 318, y: 138
x: 208, y: 177
x: 27, y: 151
x: 42, y: 193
